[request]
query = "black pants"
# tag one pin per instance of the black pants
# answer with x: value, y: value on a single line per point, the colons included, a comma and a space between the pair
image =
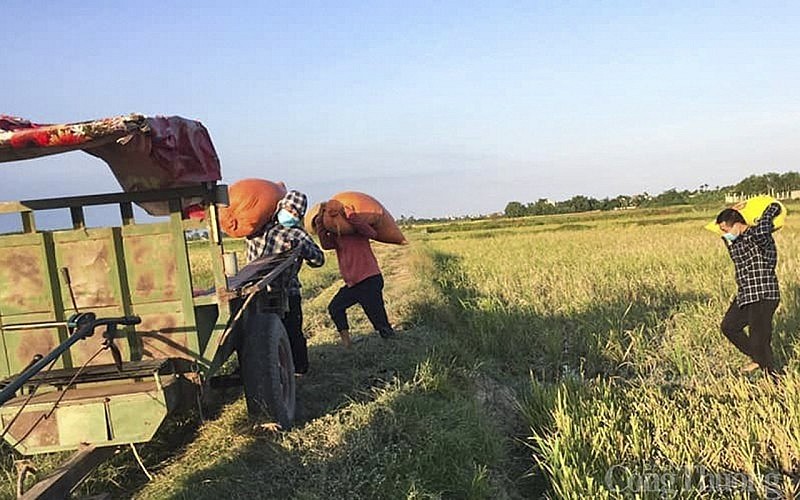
x: 293, y: 322
x: 368, y: 293
x: 758, y: 318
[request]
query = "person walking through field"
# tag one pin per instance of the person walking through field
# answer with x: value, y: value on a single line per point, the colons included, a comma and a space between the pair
x: 282, y: 234
x: 754, y: 255
x: 363, y: 281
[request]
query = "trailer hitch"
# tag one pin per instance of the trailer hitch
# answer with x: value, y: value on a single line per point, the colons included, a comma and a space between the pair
x: 81, y: 326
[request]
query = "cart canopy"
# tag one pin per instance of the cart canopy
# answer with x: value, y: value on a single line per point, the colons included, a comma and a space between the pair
x: 144, y: 153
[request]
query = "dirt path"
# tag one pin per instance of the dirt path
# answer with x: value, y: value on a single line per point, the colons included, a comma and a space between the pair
x: 385, y: 419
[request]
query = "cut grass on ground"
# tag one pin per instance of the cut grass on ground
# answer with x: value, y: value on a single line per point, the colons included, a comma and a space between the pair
x: 387, y: 419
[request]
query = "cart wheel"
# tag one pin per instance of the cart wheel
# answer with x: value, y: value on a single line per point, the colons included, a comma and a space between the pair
x: 267, y: 368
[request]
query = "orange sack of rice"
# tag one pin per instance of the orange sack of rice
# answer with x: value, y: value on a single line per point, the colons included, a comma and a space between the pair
x: 252, y: 204
x: 374, y: 214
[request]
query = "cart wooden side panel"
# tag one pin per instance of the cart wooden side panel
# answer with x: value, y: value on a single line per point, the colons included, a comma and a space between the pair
x: 28, y: 293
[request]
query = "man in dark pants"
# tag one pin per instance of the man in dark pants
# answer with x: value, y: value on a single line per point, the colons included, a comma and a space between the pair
x: 283, y: 234
x: 754, y: 256
x: 361, y: 274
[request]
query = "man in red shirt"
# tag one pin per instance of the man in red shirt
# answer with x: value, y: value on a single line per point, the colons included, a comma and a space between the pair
x: 361, y: 274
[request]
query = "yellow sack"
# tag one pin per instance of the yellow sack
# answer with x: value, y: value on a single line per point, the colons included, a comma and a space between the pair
x: 751, y: 211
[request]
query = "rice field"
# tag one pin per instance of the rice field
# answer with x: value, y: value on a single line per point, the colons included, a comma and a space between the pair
x: 550, y: 357
x: 632, y: 389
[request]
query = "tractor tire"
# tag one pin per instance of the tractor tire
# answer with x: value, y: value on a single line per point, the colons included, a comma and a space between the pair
x: 267, y: 369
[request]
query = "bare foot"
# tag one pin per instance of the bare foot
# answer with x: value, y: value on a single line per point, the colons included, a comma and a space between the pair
x: 267, y: 427
x: 749, y: 367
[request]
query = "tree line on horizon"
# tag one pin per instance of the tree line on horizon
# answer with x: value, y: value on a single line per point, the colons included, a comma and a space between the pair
x: 749, y: 186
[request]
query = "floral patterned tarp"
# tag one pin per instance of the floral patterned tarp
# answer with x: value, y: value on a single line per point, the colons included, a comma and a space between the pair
x: 20, y: 139
x: 144, y: 153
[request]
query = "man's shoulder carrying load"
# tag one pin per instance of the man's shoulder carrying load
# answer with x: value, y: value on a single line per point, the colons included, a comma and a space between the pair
x: 752, y: 209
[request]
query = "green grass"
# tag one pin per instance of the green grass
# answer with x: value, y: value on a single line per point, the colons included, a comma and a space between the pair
x: 564, y: 357
x: 618, y: 326
x: 387, y: 419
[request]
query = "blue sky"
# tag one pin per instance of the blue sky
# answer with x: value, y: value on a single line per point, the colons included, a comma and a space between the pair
x: 435, y: 108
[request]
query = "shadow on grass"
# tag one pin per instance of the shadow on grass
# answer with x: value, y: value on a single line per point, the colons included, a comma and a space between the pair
x: 386, y: 419
x: 121, y: 474
x: 514, y: 344
x: 400, y: 418
x: 787, y: 326
x: 592, y: 342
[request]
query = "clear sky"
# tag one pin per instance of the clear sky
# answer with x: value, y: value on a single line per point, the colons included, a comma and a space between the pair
x: 435, y: 108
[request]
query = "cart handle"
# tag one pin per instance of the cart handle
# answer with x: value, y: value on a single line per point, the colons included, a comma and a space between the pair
x: 82, y: 326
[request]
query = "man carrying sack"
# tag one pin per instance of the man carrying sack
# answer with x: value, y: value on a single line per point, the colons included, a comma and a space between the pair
x: 754, y: 255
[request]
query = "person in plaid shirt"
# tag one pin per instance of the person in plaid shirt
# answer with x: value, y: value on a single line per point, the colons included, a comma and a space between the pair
x: 283, y: 234
x: 754, y: 256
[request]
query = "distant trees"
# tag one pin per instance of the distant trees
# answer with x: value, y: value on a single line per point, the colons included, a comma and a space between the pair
x: 515, y: 209
x: 754, y: 184
x: 406, y: 221
x: 579, y: 203
x: 771, y: 182
x: 670, y: 197
x: 543, y: 206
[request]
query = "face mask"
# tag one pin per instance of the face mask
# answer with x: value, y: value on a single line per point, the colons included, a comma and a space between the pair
x: 730, y: 237
x: 286, y: 219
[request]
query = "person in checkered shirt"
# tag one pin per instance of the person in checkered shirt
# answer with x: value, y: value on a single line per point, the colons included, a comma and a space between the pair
x: 754, y: 255
x: 283, y: 234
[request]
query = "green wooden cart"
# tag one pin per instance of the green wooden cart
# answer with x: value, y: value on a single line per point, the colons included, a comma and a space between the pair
x: 131, y: 340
